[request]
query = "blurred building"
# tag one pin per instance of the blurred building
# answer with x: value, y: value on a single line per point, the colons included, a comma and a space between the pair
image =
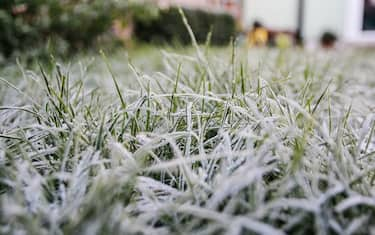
x: 353, y: 21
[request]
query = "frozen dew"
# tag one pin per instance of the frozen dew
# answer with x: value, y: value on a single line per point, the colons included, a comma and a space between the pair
x: 277, y: 142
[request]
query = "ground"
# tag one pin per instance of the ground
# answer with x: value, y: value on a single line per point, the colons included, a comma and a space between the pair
x: 190, y: 141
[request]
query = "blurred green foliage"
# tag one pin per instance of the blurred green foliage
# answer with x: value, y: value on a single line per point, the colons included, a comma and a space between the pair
x: 37, y: 27
x: 169, y: 27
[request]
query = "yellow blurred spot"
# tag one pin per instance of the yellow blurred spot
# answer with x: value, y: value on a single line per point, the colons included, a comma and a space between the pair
x: 258, y: 37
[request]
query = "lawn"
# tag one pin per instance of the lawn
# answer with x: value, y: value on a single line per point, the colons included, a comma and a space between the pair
x: 190, y: 141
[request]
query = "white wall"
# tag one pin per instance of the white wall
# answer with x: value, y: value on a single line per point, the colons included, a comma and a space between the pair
x: 324, y: 15
x: 275, y: 14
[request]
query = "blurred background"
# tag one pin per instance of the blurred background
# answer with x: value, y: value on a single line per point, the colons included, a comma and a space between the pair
x: 39, y: 28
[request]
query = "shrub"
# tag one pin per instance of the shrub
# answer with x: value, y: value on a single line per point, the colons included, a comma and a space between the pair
x: 328, y: 39
x: 16, y: 26
x: 67, y: 25
x: 169, y: 27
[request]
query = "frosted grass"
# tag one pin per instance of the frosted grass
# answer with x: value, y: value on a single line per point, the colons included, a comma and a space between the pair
x: 261, y: 142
